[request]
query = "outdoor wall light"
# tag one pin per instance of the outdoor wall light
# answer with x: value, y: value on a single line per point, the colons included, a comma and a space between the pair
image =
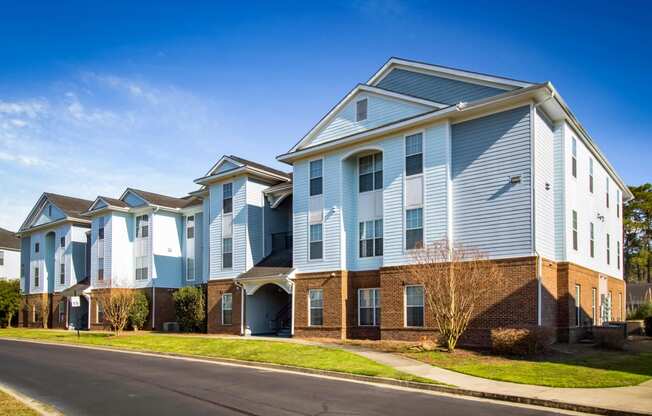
x: 515, y: 179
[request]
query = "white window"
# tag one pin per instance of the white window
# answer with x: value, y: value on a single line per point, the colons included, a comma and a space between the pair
x: 414, y: 228
x: 62, y: 274
x: 190, y: 269
x: 608, y: 249
x: 371, y: 238
x: 618, y: 200
x: 369, y: 307
x: 62, y: 242
x: 37, y: 247
x: 361, y: 110
x: 316, y: 307
x: 414, y: 154
x: 190, y: 227
x: 618, y: 254
x: 414, y: 310
x: 316, y: 177
x: 100, y: 231
x: 594, y: 301
x: 62, y: 312
x: 316, y: 242
x: 578, y: 305
x: 574, y: 230
x: 227, y: 198
x: 620, y: 306
x: 142, y: 247
x: 37, y: 279
x: 610, y: 307
x: 227, y: 253
x: 607, y: 192
x: 591, y: 175
x: 100, y: 269
x: 227, y: 309
x: 592, y: 241
x: 99, y: 313
x: 2, y: 258
x: 370, y: 172
x: 574, y: 158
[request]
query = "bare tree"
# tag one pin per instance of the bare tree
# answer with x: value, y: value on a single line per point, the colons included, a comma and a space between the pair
x: 42, y: 305
x: 455, y: 280
x: 117, y: 304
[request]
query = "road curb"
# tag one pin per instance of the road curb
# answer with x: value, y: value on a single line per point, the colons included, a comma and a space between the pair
x: 438, y: 388
x: 35, y: 405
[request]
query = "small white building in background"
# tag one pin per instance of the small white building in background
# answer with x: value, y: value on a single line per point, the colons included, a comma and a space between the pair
x: 9, y: 255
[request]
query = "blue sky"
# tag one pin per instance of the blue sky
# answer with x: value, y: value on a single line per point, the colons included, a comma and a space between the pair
x: 98, y: 97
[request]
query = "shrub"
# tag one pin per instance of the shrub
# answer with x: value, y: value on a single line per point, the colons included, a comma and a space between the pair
x: 612, y: 338
x: 189, y: 306
x: 641, y: 311
x: 521, y: 341
x: 117, y: 304
x: 139, y: 311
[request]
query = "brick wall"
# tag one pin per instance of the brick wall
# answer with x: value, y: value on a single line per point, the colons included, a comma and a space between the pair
x: 334, y: 299
x: 215, y: 289
x: 163, y: 305
x: 26, y: 314
x: 361, y: 280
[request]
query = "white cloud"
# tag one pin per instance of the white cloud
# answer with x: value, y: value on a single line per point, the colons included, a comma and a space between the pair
x: 21, y: 159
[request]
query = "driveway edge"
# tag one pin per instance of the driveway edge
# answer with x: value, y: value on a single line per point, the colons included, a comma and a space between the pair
x: 438, y: 388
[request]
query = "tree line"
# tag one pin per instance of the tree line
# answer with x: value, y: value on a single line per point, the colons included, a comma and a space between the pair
x: 637, y: 242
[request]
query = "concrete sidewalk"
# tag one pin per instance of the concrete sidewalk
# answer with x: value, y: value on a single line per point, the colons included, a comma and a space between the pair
x: 630, y: 399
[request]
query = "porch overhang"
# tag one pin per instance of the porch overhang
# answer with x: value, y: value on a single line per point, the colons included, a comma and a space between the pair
x: 258, y: 277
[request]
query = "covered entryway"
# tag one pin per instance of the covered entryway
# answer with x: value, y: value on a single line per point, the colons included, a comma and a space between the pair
x: 78, y: 317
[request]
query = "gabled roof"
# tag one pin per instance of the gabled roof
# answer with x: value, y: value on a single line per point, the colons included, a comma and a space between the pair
x: 9, y: 240
x: 349, y: 97
x: 71, y: 207
x: 163, y: 200
x: 241, y: 165
x: 109, y: 203
x: 447, y: 72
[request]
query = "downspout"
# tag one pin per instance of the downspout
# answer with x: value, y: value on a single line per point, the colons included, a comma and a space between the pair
x: 539, y: 260
x: 242, y: 310
x: 151, y: 233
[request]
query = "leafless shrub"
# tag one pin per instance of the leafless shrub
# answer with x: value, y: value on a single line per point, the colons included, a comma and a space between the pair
x: 117, y: 304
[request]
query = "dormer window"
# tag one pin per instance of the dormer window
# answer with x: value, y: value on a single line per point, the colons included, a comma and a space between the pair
x: 361, y: 110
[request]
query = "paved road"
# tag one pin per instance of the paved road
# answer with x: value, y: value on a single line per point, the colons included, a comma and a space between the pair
x: 90, y: 382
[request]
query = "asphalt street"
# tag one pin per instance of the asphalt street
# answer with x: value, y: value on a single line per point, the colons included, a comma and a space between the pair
x: 89, y: 382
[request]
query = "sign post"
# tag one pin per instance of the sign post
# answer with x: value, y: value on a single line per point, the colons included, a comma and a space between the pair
x: 75, y: 303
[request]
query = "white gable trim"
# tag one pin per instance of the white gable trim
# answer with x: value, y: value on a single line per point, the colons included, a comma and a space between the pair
x: 349, y: 97
x: 107, y: 207
x: 36, y: 209
x: 131, y: 191
x: 444, y: 72
x: 220, y: 162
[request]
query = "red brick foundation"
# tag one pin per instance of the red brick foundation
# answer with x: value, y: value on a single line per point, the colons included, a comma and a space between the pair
x: 214, y: 291
x: 163, y: 307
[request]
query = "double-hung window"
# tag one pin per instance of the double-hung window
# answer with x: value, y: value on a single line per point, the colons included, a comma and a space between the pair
x: 618, y: 254
x: 315, y: 217
x: 414, y: 228
x: 142, y: 247
x: 190, y: 269
x: 594, y: 301
x: 607, y: 192
x: 190, y: 227
x: 100, y: 313
x: 608, y: 249
x: 316, y: 178
x: 414, y: 306
x: 37, y: 278
x: 227, y: 198
x: 618, y: 200
x: 574, y: 158
x: 190, y: 248
x: 316, y: 242
x: 578, y: 305
x: 227, y: 253
x: 591, y: 175
x: 100, y: 249
x: 62, y: 312
x: 592, y: 241
x: 37, y: 247
x: 369, y: 307
x: 414, y: 154
x: 62, y: 242
x: 62, y: 274
x: 370, y: 172
x: 316, y: 307
x: 574, y: 230
x: 227, y: 309
x: 361, y: 109
x: 371, y: 238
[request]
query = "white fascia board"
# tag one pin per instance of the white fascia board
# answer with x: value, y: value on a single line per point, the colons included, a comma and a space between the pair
x: 347, y: 99
x: 34, y: 212
x: 53, y: 224
x: 249, y: 170
x: 452, y: 111
x: 458, y: 74
x: 223, y: 159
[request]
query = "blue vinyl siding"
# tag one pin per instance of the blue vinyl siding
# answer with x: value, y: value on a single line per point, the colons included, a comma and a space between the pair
x: 489, y: 213
x: 239, y: 229
x: 225, y: 166
x: 25, y: 262
x: 44, y: 218
x: 434, y: 88
x: 544, y: 174
x: 255, y: 203
x: 380, y: 111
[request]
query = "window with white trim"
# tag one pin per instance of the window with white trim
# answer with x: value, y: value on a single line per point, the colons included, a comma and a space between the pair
x: 99, y: 311
x: 574, y: 214
x: 100, y: 231
x: 608, y: 249
x: 578, y: 305
x: 574, y: 158
x: 100, y: 269
x: 62, y: 312
x: 62, y: 274
x: 62, y: 242
x: 370, y: 172
x: 369, y: 307
x: 414, y: 228
x: 316, y: 177
x: 361, y: 109
x: 607, y: 192
x: 414, y: 154
x: 190, y: 248
x: 227, y: 309
x: 618, y: 254
x: 190, y: 227
x: 227, y: 253
x: 592, y: 241
x: 591, y: 175
x: 37, y: 247
x: 37, y: 277
x: 142, y: 247
x: 227, y: 198
x: 618, y: 201
x: 371, y: 238
x: 594, y: 301
x: 316, y: 307
x: 414, y: 306
x: 190, y: 269
x: 316, y: 242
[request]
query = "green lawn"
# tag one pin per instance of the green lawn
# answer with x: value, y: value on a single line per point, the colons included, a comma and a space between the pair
x: 12, y: 407
x: 592, y: 368
x: 284, y: 353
